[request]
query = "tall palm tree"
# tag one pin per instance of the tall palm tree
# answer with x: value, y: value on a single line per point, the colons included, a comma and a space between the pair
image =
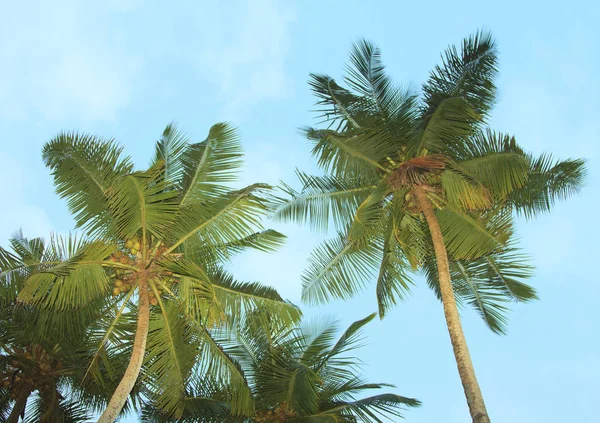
x: 302, y: 375
x: 418, y: 183
x: 156, y: 241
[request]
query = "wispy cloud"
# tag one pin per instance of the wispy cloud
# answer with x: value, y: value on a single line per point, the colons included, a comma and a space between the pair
x: 63, y: 60
x: 244, y: 53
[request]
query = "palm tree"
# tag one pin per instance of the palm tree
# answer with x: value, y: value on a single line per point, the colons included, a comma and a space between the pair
x: 299, y: 375
x: 38, y: 349
x: 156, y: 239
x: 418, y: 183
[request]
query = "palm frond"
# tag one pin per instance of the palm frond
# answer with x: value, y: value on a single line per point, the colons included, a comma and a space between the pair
x: 338, y: 269
x: 75, y: 278
x: 209, y: 164
x: 169, y: 148
x: 323, y: 198
x: 469, y: 236
x: 392, y: 280
x: 84, y: 168
x: 142, y: 202
x: 238, y: 298
x: 374, y: 408
x: 366, y: 74
x: 349, y: 154
x: 172, y: 351
x: 469, y: 74
x: 549, y: 180
x: 228, y: 219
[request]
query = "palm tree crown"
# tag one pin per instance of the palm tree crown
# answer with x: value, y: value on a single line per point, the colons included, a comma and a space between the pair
x: 418, y: 183
x: 156, y: 243
x: 303, y: 375
x: 381, y: 143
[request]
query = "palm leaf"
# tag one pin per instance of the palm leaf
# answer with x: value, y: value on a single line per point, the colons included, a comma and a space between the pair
x: 209, y: 164
x: 84, y: 168
x: 338, y: 269
x: 169, y: 149
x: 469, y: 74
x: 323, y: 198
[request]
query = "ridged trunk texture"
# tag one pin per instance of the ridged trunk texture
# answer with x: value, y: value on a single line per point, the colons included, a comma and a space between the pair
x: 457, y: 337
x: 137, y: 356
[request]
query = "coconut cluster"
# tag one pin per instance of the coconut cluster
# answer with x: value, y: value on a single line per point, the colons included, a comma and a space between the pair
x: 126, y: 280
x: 29, y: 367
x: 280, y: 414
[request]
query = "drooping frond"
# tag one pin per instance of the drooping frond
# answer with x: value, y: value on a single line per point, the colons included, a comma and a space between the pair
x: 368, y: 410
x: 393, y: 281
x: 494, y: 160
x: 463, y: 191
x: 323, y: 198
x: 549, y: 180
x: 349, y: 154
x: 216, y: 359
x: 469, y: 236
x: 172, y: 351
x: 338, y: 269
x: 238, y: 298
x: 369, y: 214
x: 84, y: 168
x: 71, y: 277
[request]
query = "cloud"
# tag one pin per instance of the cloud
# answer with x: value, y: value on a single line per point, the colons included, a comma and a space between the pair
x: 245, y: 53
x: 16, y: 211
x: 63, y: 59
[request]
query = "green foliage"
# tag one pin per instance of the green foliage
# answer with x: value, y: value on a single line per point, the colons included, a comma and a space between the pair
x: 175, y: 223
x: 299, y: 374
x: 380, y: 143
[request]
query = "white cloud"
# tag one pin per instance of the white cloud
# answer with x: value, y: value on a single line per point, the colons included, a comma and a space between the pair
x: 62, y: 59
x: 16, y: 211
x: 245, y: 54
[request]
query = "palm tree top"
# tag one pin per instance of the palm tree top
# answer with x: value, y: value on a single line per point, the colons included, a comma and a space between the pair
x: 381, y: 142
x: 156, y: 242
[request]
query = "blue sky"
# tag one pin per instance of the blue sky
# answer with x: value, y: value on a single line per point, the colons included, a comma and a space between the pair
x: 125, y: 69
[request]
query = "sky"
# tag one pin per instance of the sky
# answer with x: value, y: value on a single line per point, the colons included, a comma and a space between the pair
x: 125, y: 69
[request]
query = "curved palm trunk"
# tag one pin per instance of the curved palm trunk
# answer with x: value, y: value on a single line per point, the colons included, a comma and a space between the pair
x: 457, y: 337
x: 137, y: 356
x: 20, y: 403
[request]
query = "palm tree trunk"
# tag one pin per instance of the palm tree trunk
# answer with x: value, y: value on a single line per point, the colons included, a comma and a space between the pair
x: 137, y: 356
x: 457, y: 337
x: 20, y: 403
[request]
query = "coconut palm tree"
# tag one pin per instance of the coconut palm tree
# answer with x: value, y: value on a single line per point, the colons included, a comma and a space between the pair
x: 39, y: 350
x: 418, y: 183
x: 156, y: 240
x: 302, y: 375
